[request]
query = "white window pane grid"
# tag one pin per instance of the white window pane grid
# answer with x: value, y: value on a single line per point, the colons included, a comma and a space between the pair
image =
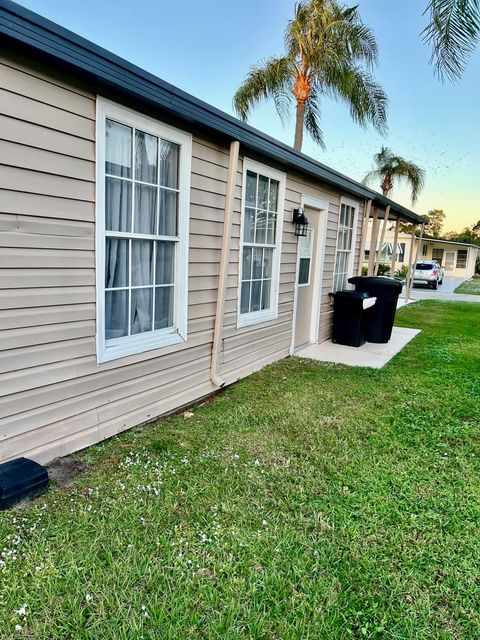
x: 256, y: 278
x: 261, y: 205
x: 462, y: 259
x: 259, y: 242
x: 344, y: 246
x: 139, y: 288
x: 305, y: 246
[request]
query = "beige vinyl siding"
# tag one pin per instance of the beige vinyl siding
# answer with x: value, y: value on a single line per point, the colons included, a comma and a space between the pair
x: 55, y: 398
x: 249, y: 348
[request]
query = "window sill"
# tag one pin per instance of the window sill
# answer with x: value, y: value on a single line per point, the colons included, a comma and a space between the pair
x: 127, y: 347
x: 256, y: 317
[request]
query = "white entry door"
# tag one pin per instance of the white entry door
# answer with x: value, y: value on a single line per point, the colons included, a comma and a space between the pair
x: 449, y: 262
x: 308, y: 286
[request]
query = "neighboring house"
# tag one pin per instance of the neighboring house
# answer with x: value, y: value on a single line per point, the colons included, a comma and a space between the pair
x: 148, y: 255
x: 458, y: 258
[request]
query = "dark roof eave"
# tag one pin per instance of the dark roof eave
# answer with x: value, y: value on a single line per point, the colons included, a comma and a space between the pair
x: 109, y: 70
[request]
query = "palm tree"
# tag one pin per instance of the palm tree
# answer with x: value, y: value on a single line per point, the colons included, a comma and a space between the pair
x: 329, y: 52
x: 390, y: 168
x: 453, y: 32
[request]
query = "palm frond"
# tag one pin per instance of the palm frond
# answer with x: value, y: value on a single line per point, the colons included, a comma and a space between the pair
x: 375, y: 174
x: 453, y: 32
x: 398, y: 170
x: 269, y: 79
x: 383, y: 157
x: 412, y: 174
x: 359, y: 39
x: 353, y: 85
x: 312, y: 119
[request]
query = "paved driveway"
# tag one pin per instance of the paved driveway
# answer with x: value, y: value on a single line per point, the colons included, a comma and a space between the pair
x: 444, y: 292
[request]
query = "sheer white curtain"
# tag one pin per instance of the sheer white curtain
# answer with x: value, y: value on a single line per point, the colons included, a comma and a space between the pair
x: 138, y: 293
x: 142, y: 275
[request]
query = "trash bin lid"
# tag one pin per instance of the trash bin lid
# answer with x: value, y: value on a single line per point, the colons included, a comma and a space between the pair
x: 377, y: 280
x: 350, y: 293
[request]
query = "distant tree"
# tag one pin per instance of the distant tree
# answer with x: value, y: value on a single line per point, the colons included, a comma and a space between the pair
x: 470, y: 235
x: 436, y: 218
x: 389, y: 169
x: 453, y: 32
x: 329, y: 53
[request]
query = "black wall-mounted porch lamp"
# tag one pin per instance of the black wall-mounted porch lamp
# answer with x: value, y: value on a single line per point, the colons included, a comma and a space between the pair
x: 300, y: 221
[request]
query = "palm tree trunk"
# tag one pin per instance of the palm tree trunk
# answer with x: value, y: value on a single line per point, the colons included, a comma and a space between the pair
x: 299, y: 122
x: 387, y: 184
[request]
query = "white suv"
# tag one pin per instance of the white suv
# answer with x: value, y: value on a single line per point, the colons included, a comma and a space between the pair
x: 428, y: 272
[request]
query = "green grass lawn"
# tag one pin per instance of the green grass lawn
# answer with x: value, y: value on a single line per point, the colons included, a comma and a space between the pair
x: 309, y: 501
x: 470, y: 286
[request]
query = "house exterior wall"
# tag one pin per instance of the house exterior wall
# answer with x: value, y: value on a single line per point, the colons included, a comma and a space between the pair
x: 458, y: 272
x: 55, y: 398
x: 426, y: 253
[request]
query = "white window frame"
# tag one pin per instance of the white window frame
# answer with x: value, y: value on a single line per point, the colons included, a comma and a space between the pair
x: 351, y: 259
x: 139, y: 343
x: 310, y: 232
x: 466, y: 259
x: 264, y: 315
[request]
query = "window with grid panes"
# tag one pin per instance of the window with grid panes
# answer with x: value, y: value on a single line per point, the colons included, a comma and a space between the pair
x: 345, y: 243
x: 305, y: 247
x: 260, y: 240
x: 144, y: 265
x: 462, y: 258
x: 437, y: 254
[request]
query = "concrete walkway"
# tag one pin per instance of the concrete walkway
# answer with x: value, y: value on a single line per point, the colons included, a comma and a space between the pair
x: 368, y: 355
x: 444, y: 292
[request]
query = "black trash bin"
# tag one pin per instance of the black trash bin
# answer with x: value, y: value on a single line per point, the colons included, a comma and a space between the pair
x: 379, y: 319
x: 349, y: 316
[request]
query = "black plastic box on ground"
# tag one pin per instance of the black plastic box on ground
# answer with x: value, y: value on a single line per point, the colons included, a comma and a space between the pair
x: 348, y: 317
x: 379, y: 318
x: 21, y: 478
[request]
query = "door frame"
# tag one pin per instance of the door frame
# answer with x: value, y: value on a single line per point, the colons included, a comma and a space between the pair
x: 321, y: 206
x: 447, y: 251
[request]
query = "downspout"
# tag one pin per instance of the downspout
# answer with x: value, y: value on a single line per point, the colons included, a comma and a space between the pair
x: 224, y: 262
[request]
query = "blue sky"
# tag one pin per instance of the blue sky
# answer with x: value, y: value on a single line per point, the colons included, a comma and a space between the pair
x: 206, y: 47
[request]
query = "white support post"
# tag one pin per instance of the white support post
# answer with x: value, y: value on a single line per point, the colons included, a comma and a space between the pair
x: 373, y: 242
x: 395, y: 243
x: 411, y: 263
x: 382, y: 240
x: 366, y: 218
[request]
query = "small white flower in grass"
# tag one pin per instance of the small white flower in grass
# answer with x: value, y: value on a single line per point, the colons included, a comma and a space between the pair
x: 257, y: 463
x: 38, y: 568
x: 18, y: 627
x: 88, y: 597
x: 22, y: 611
x: 264, y: 522
x: 144, y: 611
